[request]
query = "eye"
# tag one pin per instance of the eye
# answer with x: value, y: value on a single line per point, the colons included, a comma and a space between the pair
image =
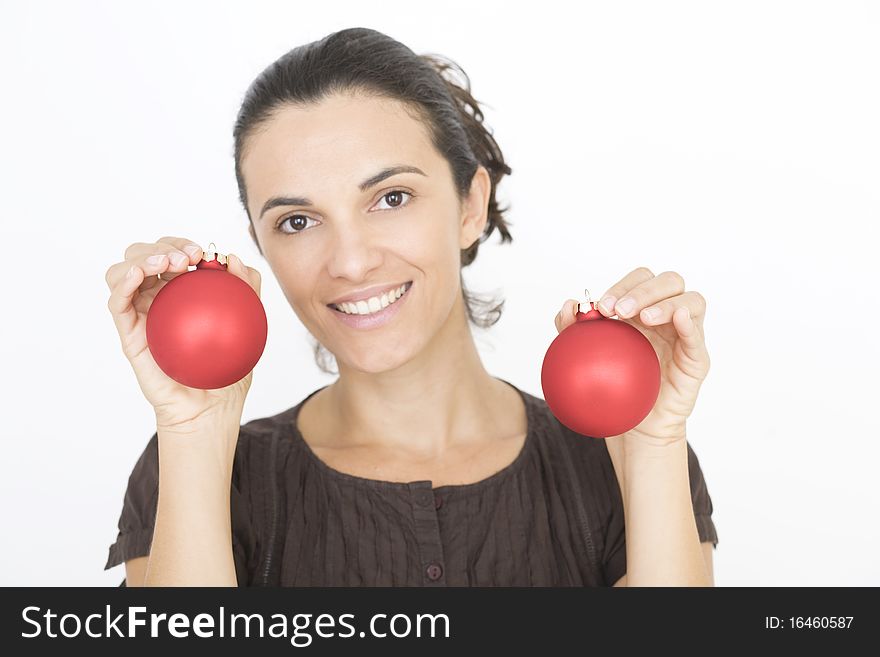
x: 394, y: 199
x: 298, y: 222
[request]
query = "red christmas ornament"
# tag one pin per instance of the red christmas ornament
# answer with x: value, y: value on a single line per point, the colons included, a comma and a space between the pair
x: 601, y: 376
x: 207, y: 328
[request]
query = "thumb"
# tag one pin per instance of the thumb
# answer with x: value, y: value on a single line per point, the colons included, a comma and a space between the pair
x: 567, y: 316
x: 248, y: 274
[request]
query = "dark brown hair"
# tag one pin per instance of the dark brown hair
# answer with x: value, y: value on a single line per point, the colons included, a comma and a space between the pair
x: 434, y: 87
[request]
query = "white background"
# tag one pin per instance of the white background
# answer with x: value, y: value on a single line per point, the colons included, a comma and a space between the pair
x: 735, y: 143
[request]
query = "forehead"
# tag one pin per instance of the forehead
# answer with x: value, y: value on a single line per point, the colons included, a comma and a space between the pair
x: 341, y: 140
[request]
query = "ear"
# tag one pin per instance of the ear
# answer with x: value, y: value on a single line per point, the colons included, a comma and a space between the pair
x: 475, y: 209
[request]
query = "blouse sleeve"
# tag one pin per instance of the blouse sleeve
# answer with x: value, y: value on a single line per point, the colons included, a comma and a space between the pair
x: 138, y: 516
x: 614, y: 563
x: 701, y: 500
x: 138, y: 508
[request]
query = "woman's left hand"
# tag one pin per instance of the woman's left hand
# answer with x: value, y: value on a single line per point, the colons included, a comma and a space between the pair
x: 676, y: 337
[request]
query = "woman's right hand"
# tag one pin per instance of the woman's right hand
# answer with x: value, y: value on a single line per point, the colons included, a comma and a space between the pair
x: 133, y: 285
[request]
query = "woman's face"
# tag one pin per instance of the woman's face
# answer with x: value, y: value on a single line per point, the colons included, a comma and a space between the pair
x: 330, y: 232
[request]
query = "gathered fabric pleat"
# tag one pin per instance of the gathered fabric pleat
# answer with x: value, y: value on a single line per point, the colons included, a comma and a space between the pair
x: 552, y: 517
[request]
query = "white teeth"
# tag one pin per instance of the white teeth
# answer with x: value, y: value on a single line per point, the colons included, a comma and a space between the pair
x: 373, y: 304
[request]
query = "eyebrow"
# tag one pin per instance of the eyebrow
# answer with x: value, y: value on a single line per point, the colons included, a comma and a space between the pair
x: 372, y: 181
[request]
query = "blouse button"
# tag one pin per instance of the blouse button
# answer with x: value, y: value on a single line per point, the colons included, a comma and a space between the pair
x: 434, y: 571
x: 424, y: 498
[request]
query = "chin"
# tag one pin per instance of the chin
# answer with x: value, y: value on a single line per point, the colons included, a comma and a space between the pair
x: 372, y: 361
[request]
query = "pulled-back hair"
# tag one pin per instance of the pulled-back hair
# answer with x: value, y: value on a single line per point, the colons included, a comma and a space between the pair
x: 435, y: 88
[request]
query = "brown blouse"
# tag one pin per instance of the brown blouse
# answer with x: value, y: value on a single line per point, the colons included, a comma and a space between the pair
x: 552, y: 517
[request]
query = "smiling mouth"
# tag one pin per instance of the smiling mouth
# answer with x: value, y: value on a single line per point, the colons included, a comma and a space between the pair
x: 374, y: 305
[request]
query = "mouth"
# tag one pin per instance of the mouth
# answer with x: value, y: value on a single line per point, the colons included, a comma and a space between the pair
x: 373, y: 306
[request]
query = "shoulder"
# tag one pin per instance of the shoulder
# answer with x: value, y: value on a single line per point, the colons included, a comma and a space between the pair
x: 260, y: 440
x: 260, y: 432
x: 268, y: 444
x: 579, y: 474
x: 569, y: 454
x: 594, y: 470
x: 556, y: 438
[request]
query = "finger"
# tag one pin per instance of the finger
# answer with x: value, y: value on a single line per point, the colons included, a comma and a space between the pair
x: 179, y: 254
x: 567, y: 316
x: 634, y: 278
x: 164, y: 245
x: 116, y: 273
x: 690, y: 338
x: 645, y: 294
x: 662, y: 312
x: 162, y: 265
x: 248, y: 274
x: 120, y: 301
x: 192, y: 250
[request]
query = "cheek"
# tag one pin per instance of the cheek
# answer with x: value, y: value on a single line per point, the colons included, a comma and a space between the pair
x: 295, y: 271
x: 430, y: 241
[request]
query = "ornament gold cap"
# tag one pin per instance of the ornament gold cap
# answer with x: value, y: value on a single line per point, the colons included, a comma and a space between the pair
x: 585, y: 307
x: 211, y: 254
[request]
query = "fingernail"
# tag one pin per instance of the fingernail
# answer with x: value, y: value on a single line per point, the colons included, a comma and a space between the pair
x: 651, y: 313
x: 178, y: 259
x: 607, y: 303
x: 156, y: 259
x: 130, y: 273
x: 193, y: 250
x: 625, y: 306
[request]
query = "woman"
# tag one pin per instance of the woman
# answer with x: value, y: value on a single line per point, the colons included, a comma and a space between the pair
x: 369, y: 181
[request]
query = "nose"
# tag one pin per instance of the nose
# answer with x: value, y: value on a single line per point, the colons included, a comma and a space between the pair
x: 354, y: 252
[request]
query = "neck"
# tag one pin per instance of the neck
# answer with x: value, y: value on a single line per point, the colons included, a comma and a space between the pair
x: 429, y: 404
